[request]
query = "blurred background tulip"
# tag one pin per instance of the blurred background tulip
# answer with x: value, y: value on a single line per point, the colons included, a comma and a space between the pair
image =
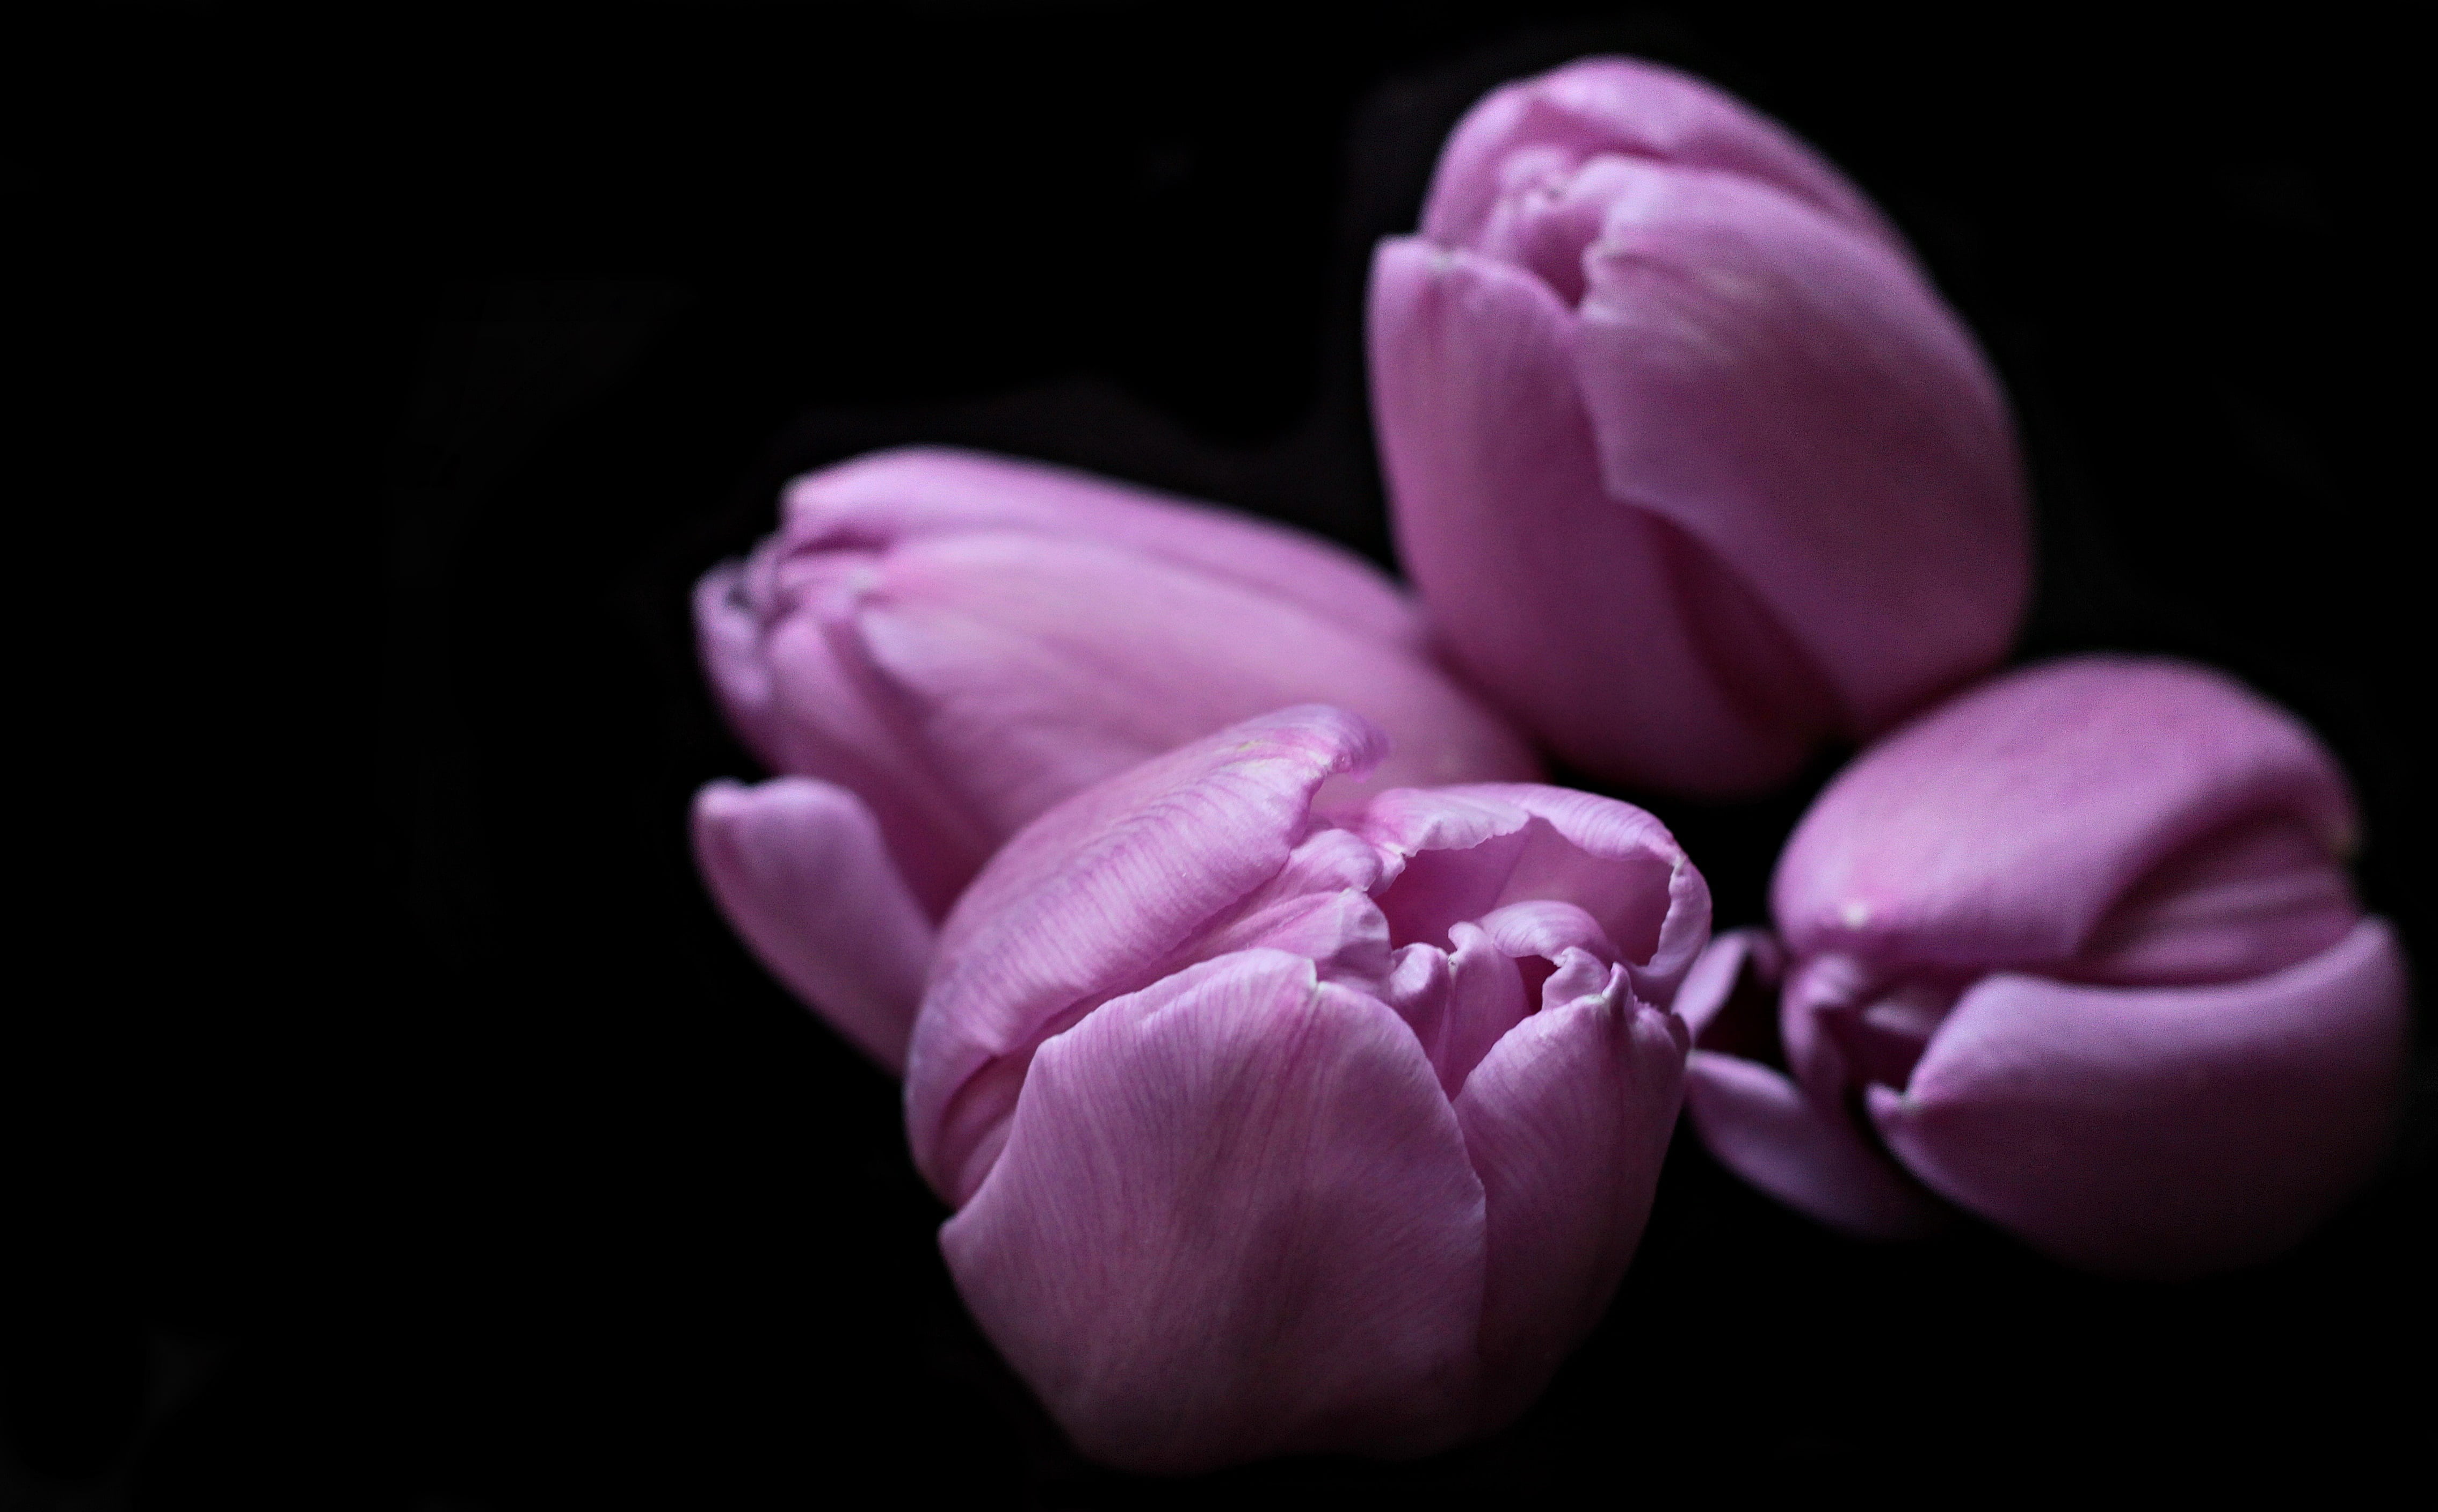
x: 1277, y: 1129
x: 938, y: 645
x: 2076, y: 952
x: 1692, y: 465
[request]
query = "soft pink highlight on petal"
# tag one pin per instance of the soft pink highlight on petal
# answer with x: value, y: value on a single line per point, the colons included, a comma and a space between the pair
x: 1460, y: 853
x: 1234, y: 1218
x: 1033, y: 666
x: 1567, y: 1121
x: 1794, y: 396
x: 2161, y: 1131
x: 916, y: 492
x: 2001, y: 829
x: 1625, y: 107
x: 1558, y: 597
x: 1091, y: 900
x: 800, y: 870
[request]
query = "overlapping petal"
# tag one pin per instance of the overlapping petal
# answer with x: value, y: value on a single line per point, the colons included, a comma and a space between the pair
x: 800, y: 871
x: 1091, y: 899
x: 2003, y: 829
x: 1234, y: 1218
x: 2161, y: 1131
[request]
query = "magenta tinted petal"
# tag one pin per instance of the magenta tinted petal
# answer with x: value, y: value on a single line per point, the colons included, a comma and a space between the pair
x: 1034, y: 666
x: 1234, y: 1218
x: 2161, y: 1131
x: 915, y: 492
x: 1486, y: 998
x: 1567, y: 1121
x: 1762, y: 1127
x: 1091, y: 899
x: 1633, y: 109
x: 800, y: 870
x: 1525, y: 559
x: 1792, y: 394
x: 727, y: 633
x: 2003, y: 828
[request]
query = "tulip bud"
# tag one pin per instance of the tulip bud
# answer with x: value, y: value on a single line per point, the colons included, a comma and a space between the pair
x: 1273, y: 1129
x: 937, y: 646
x: 1690, y: 464
x: 2076, y: 953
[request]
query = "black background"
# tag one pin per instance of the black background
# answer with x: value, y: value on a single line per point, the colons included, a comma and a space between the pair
x: 400, y: 1128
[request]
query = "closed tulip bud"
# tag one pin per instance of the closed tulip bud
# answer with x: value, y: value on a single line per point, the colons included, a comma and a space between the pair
x: 2076, y: 953
x: 1273, y: 1128
x: 1690, y: 464
x: 938, y: 646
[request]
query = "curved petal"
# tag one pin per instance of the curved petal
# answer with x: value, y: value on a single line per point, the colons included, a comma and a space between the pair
x: 1234, y: 1218
x: 913, y: 492
x: 1635, y: 109
x: 1762, y: 1127
x: 1711, y: 990
x: 1461, y: 852
x: 2161, y: 1131
x: 2001, y: 829
x: 1795, y: 397
x: 728, y: 636
x: 1560, y: 597
x: 1031, y: 667
x: 800, y: 870
x: 1567, y: 1121
x: 1096, y: 898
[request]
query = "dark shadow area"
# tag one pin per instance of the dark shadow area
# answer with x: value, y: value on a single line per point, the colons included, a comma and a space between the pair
x: 402, y: 1129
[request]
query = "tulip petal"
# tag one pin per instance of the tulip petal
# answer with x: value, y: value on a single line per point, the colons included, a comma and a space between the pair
x: 1633, y: 109
x: 2161, y: 1131
x: 1095, y: 898
x: 913, y: 492
x: 1486, y: 998
x: 1234, y: 1218
x: 2002, y: 830
x: 727, y: 633
x: 1792, y: 394
x: 1557, y: 594
x: 1761, y: 1126
x: 1708, y: 997
x: 1464, y: 851
x: 800, y: 870
x: 1031, y: 667
x: 1567, y: 1121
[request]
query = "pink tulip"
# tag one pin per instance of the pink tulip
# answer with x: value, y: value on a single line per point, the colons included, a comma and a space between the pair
x: 938, y: 646
x: 1274, y: 1128
x: 1691, y: 465
x: 2076, y: 953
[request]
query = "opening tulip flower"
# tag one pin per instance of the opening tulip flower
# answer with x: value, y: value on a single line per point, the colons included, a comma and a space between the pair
x: 1274, y: 1128
x: 1690, y: 464
x: 2076, y: 953
x: 938, y: 646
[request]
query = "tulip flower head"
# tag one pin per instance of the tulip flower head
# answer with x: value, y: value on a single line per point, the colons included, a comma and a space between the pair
x: 938, y: 646
x: 1690, y: 464
x: 1275, y: 1128
x: 2076, y: 953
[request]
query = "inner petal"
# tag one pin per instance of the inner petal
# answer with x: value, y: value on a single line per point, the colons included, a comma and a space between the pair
x: 1486, y: 998
x: 1553, y: 211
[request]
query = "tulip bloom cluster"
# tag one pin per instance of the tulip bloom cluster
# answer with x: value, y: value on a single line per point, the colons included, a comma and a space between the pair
x: 1298, y: 1065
